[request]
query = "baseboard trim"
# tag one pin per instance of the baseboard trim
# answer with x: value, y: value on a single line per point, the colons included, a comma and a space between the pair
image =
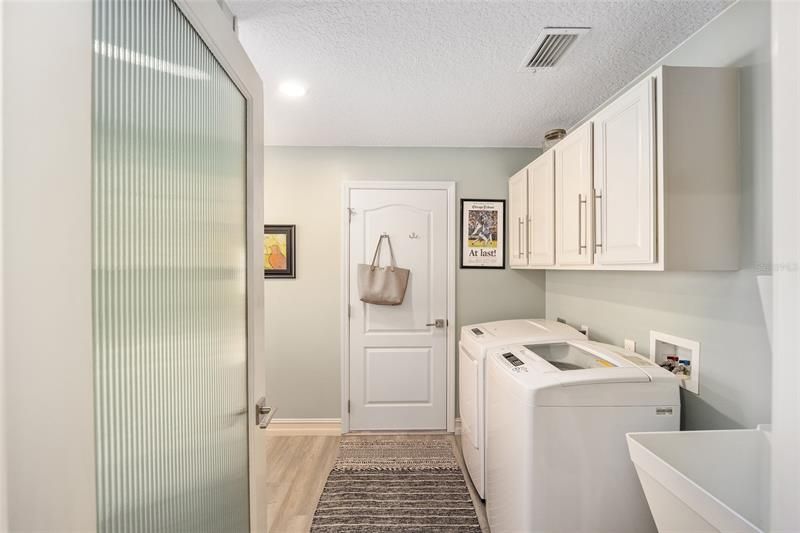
x: 316, y: 426
x: 305, y: 426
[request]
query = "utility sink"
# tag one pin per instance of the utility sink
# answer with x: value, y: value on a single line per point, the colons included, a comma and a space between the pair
x: 704, y: 481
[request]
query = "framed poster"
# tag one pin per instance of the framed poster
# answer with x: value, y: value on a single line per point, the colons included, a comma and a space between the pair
x: 279, y: 247
x: 483, y: 233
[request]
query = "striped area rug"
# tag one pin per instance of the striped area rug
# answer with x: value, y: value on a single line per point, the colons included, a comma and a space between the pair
x: 397, y: 486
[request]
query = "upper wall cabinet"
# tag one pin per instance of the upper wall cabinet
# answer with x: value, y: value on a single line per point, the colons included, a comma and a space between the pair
x: 625, y: 178
x: 531, y: 214
x: 697, y: 168
x: 574, y: 242
x: 651, y: 182
x: 542, y: 211
x: 518, y: 218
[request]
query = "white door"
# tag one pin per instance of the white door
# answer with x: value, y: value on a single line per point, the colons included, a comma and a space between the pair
x: 517, y: 217
x: 574, y: 242
x: 148, y: 342
x: 398, y: 357
x: 176, y: 264
x: 625, y: 177
x: 541, y: 210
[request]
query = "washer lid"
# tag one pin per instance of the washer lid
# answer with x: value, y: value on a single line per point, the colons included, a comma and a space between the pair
x: 576, y: 363
x: 533, y: 329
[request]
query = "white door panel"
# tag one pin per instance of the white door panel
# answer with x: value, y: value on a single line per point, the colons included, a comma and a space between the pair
x: 541, y: 211
x: 517, y: 218
x: 399, y: 221
x: 574, y: 194
x: 625, y: 177
x: 398, y: 375
x: 398, y: 364
x: 468, y: 395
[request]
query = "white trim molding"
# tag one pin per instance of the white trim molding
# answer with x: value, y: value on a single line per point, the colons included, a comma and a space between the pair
x: 452, y: 224
x: 290, y: 427
x: 785, y: 441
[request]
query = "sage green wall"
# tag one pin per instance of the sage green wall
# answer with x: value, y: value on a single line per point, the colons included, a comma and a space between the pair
x: 721, y: 310
x: 302, y: 186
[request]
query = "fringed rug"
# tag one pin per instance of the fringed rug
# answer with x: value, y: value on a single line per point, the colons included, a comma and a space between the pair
x: 395, y: 486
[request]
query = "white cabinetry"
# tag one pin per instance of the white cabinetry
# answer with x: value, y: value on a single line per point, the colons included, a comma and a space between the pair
x: 624, y: 178
x: 518, y: 218
x: 541, y: 211
x: 531, y: 214
x: 697, y: 117
x: 651, y: 182
x: 574, y: 242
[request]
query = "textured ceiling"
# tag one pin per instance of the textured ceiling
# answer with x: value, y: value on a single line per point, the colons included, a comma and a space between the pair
x: 445, y: 73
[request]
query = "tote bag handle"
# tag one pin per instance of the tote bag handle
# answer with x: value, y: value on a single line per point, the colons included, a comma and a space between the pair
x: 392, y: 262
x: 382, y: 286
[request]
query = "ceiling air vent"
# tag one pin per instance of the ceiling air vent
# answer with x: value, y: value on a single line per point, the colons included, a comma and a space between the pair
x: 550, y: 47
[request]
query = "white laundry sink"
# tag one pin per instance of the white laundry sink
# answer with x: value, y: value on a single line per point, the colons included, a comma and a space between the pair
x: 704, y: 481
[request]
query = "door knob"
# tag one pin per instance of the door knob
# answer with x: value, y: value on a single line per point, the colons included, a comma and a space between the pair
x: 438, y: 323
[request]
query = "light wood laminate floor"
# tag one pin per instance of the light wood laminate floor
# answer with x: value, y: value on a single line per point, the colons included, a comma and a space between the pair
x: 298, y: 467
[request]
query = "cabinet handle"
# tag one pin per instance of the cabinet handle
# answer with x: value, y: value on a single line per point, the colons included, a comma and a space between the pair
x: 599, y: 230
x: 519, y: 237
x: 528, y: 237
x: 581, y: 246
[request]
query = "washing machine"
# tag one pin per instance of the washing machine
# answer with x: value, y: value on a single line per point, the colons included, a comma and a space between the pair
x: 556, y: 456
x: 473, y: 346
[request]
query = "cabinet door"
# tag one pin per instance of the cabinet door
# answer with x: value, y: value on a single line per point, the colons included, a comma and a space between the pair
x: 517, y: 217
x: 542, y: 211
x: 574, y: 211
x: 625, y: 178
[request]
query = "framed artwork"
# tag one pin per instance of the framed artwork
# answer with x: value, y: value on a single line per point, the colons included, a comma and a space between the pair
x: 483, y: 233
x: 279, y: 247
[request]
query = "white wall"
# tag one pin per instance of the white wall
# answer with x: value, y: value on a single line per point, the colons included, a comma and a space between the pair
x: 302, y: 186
x: 721, y: 310
x: 47, y: 265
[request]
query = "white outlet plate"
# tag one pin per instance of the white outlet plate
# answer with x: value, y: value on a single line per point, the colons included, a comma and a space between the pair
x: 630, y: 345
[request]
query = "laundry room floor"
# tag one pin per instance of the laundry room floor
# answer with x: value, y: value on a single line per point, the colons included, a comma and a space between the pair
x: 298, y: 468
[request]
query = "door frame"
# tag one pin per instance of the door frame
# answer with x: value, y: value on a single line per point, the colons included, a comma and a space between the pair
x: 452, y: 223
x: 218, y: 33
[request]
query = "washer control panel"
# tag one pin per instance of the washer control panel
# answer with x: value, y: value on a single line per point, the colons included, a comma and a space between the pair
x: 513, y: 359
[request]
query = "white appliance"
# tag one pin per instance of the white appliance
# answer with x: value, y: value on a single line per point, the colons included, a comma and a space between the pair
x: 557, y: 415
x: 476, y: 341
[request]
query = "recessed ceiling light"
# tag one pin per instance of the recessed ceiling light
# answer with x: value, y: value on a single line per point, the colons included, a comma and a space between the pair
x: 292, y: 89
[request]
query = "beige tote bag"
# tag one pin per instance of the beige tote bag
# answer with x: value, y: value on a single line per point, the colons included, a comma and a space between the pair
x: 382, y: 286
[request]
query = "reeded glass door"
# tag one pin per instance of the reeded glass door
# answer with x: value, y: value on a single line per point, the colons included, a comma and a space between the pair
x: 169, y: 208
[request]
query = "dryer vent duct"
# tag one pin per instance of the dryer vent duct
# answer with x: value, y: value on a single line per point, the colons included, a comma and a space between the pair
x: 550, y: 47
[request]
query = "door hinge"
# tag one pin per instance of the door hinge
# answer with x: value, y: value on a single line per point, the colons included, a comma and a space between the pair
x: 350, y: 212
x: 349, y: 310
x: 348, y: 406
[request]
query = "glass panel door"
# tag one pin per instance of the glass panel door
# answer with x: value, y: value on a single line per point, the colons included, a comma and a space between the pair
x: 169, y: 185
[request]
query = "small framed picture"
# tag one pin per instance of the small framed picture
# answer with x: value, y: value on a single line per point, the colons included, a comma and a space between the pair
x: 279, y: 248
x: 483, y: 229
